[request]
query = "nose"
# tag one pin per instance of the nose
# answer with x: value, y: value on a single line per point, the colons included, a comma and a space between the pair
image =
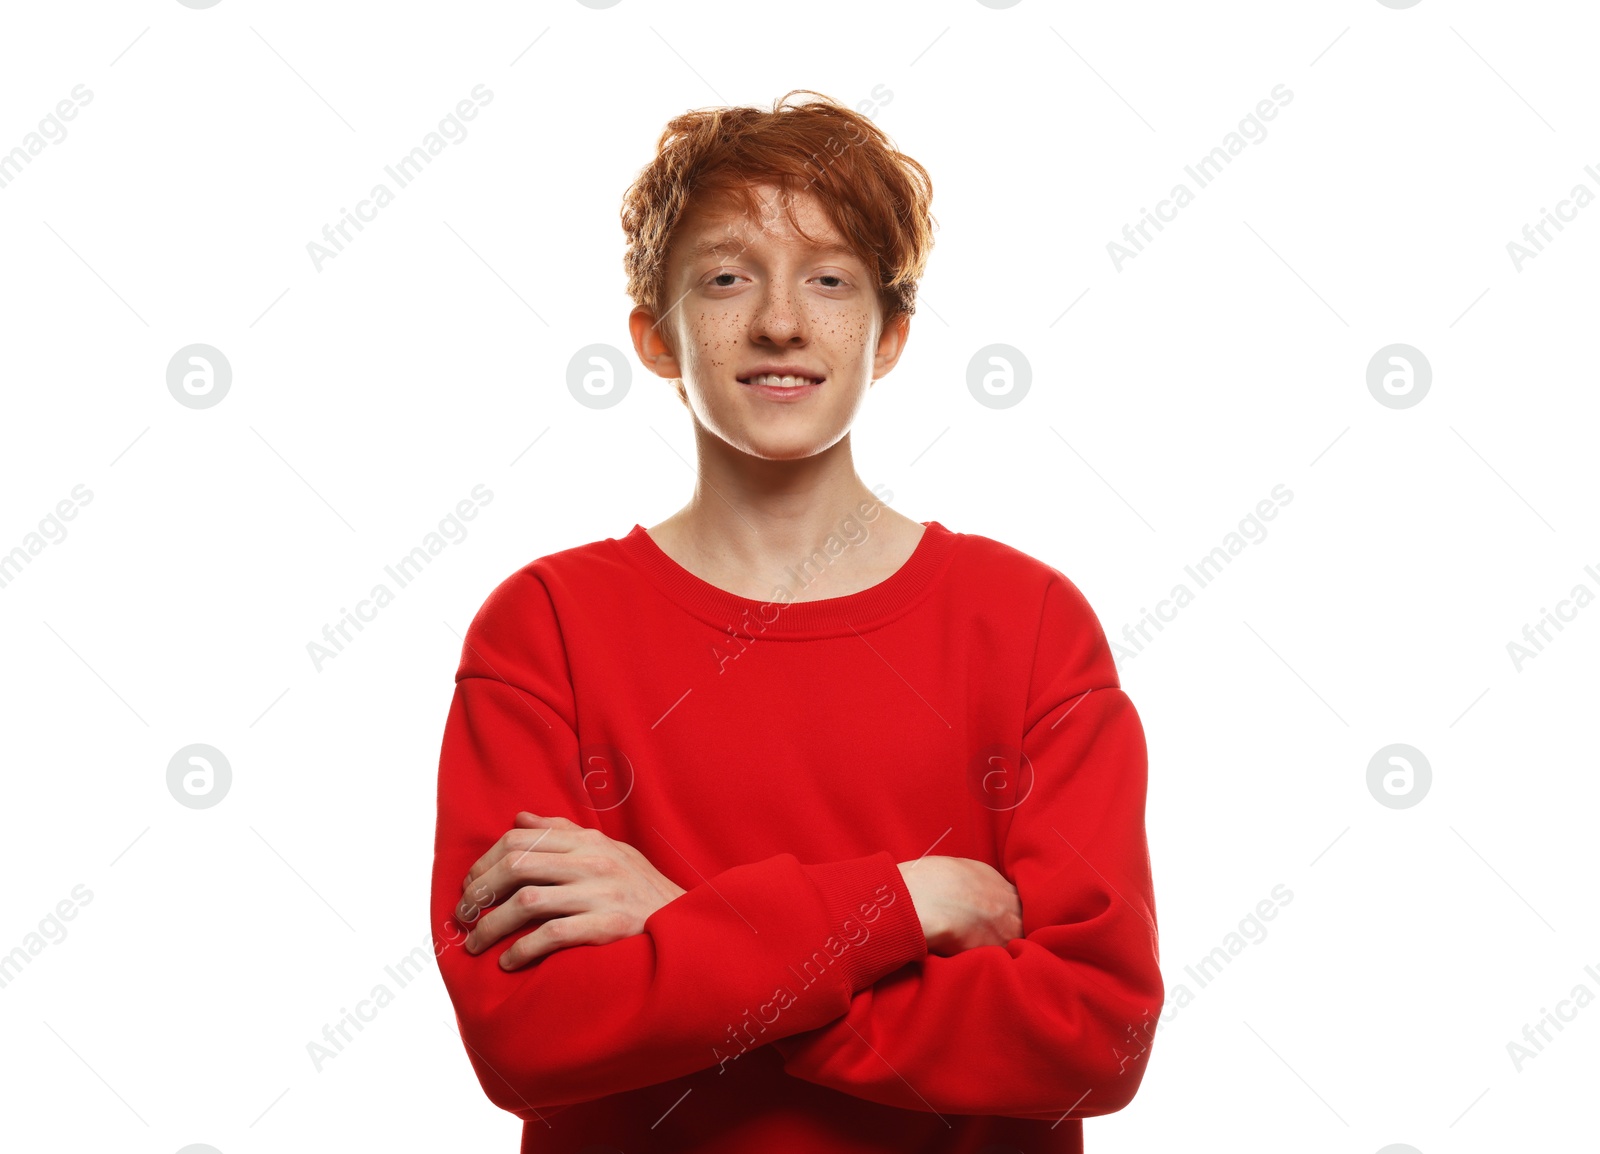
x: 778, y: 317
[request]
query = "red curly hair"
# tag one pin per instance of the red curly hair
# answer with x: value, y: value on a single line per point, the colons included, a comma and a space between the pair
x: 876, y: 196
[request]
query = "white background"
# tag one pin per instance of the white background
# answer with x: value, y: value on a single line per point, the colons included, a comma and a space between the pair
x: 1168, y: 398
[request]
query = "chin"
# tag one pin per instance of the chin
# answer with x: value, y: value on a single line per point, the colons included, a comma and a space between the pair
x: 769, y: 448
x: 769, y: 452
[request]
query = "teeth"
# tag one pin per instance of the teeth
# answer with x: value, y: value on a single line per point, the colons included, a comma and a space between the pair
x: 777, y: 382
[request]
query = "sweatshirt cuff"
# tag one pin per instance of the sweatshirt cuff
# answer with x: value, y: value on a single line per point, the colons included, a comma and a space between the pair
x: 869, y: 909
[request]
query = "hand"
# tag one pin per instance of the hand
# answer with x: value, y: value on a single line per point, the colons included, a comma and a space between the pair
x: 962, y: 903
x: 584, y: 887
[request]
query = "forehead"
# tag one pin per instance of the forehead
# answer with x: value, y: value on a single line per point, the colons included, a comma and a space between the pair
x: 720, y: 224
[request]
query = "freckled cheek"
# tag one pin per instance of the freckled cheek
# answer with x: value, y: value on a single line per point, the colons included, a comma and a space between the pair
x: 718, y: 338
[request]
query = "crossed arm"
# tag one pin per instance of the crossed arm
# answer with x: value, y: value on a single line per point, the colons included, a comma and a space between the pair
x: 588, y: 889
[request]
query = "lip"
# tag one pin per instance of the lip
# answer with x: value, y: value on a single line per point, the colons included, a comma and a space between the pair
x: 774, y: 393
x: 779, y: 370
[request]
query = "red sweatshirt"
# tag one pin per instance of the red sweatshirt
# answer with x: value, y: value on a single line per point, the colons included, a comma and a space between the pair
x: 777, y: 760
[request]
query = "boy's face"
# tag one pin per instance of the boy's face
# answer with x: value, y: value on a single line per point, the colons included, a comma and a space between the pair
x: 745, y: 294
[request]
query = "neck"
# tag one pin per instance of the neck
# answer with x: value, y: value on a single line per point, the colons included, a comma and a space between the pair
x: 754, y: 509
x: 752, y: 520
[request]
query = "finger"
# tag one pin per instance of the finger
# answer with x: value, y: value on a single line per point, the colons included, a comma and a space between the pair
x: 556, y: 835
x: 549, y: 839
x: 517, y: 837
x: 526, y: 819
x: 558, y: 934
x: 517, y: 869
x: 528, y: 904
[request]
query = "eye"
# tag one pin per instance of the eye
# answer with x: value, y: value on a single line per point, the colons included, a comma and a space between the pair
x: 833, y: 277
x: 723, y: 279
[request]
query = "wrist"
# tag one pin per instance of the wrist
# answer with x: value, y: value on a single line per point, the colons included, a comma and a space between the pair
x: 922, y: 902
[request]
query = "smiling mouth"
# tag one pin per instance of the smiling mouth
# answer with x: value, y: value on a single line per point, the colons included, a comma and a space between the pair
x: 774, y: 381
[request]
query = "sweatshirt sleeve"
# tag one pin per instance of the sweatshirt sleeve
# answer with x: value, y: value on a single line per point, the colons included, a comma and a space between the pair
x: 1060, y: 1019
x: 585, y: 1022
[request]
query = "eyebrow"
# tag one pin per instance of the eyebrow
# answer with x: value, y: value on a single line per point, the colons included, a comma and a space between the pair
x: 729, y: 246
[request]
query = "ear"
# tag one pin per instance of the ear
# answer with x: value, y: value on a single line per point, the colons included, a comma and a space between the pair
x: 891, y: 343
x: 651, y: 346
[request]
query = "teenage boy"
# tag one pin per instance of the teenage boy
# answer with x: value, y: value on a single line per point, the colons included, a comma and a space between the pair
x: 685, y: 891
